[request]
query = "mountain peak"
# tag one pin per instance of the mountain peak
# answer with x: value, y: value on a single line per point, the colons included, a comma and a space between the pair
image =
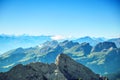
x: 73, y: 70
x: 68, y: 44
x: 64, y: 68
x: 52, y: 43
x: 61, y: 57
x: 103, y: 46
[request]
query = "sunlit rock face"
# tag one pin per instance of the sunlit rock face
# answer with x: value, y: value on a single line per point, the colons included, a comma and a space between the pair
x: 73, y: 70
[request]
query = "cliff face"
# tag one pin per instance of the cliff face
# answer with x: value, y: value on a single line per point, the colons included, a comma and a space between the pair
x: 104, y: 46
x: 64, y: 68
x: 73, y: 70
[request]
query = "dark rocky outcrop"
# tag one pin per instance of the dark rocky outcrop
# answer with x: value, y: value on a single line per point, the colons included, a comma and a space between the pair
x: 33, y: 71
x: 103, y: 46
x: 64, y: 68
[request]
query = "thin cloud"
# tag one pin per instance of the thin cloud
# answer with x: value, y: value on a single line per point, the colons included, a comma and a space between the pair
x: 58, y: 37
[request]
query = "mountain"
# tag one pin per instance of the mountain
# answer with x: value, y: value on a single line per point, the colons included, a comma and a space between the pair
x: 73, y: 70
x: 87, y: 39
x: 8, y: 42
x: 94, y: 41
x: 64, y: 68
x: 104, y: 62
x: 114, y: 76
x: 96, y: 57
x: 116, y: 41
x: 104, y: 46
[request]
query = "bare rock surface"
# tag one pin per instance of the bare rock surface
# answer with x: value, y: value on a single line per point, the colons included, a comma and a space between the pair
x: 64, y: 68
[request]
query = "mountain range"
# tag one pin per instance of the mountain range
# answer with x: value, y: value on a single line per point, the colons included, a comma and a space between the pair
x: 96, y: 57
x: 64, y: 68
x: 9, y: 42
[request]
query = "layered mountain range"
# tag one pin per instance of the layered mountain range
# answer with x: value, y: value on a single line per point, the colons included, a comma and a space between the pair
x: 7, y: 41
x: 103, y: 58
x: 64, y: 68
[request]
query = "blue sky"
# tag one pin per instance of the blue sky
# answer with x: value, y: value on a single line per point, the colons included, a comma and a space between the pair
x: 77, y: 18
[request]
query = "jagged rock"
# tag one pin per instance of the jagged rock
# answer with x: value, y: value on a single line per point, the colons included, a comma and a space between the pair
x: 68, y: 44
x: 103, y: 46
x: 57, y: 75
x: 85, y: 47
x: 21, y: 72
x: 64, y: 68
x: 73, y: 70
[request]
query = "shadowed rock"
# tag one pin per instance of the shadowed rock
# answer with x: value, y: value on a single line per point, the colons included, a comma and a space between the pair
x: 103, y: 46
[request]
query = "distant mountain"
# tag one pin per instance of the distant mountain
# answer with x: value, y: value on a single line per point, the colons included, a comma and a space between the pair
x: 116, y: 41
x: 96, y: 57
x: 64, y: 68
x: 87, y: 39
x: 94, y: 41
x: 8, y: 42
x: 102, y: 46
x: 105, y: 61
x: 114, y: 76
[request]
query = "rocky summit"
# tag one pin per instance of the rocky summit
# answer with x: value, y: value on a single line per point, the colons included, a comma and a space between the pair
x: 104, y: 46
x: 64, y: 68
x: 73, y: 70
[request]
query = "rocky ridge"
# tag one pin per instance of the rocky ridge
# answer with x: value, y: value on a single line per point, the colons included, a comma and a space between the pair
x: 64, y: 68
x: 104, y: 46
x: 96, y: 58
